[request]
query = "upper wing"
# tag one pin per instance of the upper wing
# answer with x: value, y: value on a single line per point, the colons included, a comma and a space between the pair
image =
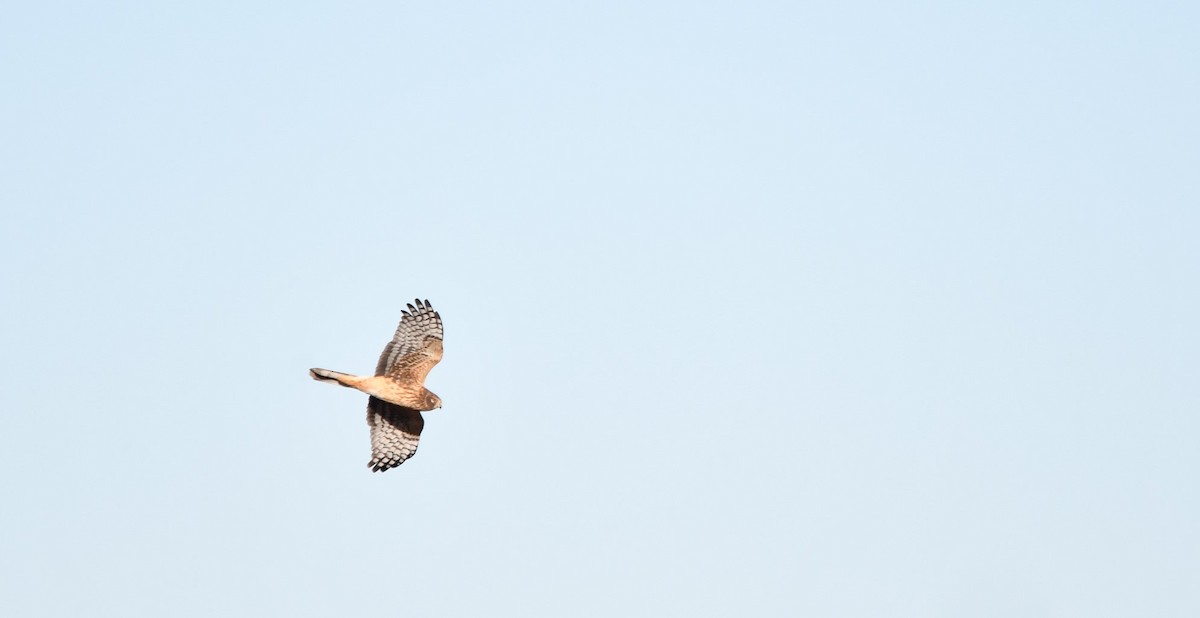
x: 395, y: 431
x: 416, y: 347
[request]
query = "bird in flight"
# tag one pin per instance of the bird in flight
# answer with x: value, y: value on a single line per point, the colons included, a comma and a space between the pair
x: 397, y: 390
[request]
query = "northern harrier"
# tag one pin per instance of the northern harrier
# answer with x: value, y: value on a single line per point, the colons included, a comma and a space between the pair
x: 397, y: 390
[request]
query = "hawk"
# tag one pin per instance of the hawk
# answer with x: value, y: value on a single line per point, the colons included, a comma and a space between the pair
x: 397, y: 390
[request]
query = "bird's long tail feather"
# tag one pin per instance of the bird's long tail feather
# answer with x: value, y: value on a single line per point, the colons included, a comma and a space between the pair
x: 337, y: 377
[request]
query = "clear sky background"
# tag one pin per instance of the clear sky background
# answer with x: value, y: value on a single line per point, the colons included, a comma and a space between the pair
x: 752, y: 308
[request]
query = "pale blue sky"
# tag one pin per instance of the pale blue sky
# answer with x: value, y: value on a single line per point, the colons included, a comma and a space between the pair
x: 752, y: 308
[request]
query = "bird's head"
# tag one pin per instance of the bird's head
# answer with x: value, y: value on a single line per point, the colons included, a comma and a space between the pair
x: 432, y: 402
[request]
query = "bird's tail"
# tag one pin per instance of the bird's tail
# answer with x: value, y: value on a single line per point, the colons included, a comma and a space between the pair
x: 337, y: 377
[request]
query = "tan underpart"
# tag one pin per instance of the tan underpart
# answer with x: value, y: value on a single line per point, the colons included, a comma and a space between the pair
x: 383, y: 387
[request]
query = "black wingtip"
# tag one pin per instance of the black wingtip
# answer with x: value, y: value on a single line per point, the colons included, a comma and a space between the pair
x: 380, y: 466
